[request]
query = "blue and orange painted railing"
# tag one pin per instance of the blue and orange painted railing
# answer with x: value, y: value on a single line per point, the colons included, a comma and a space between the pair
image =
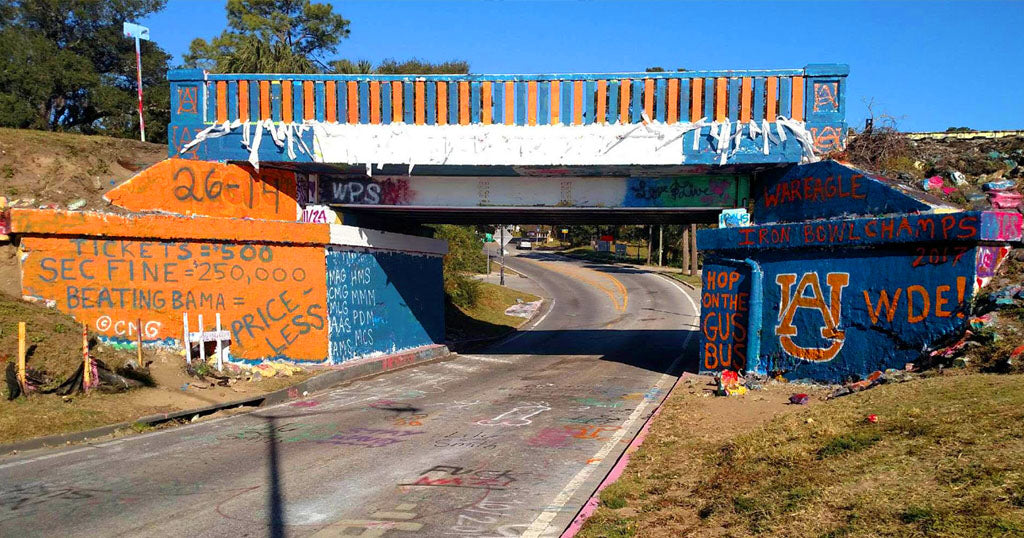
x: 815, y: 94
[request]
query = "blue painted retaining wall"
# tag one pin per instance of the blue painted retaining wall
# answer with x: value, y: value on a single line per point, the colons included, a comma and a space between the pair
x: 382, y: 302
x: 842, y: 297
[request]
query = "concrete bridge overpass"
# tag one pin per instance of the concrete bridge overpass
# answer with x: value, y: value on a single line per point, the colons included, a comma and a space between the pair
x: 557, y: 148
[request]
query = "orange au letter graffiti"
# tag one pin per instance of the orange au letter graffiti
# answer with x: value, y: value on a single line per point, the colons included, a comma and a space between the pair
x: 188, y: 99
x: 796, y: 298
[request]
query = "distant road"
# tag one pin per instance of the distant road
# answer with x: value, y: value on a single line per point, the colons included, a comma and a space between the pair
x: 509, y: 441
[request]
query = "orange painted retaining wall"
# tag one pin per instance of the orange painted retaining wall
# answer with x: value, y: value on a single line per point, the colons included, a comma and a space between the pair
x: 214, y: 189
x: 266, y: 279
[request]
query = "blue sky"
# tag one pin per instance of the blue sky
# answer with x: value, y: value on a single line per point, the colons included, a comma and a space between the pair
x: 930, y: 65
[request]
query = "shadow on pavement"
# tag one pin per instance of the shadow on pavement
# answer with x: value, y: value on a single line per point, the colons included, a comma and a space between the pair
x: 275, y: 499
x: 650, y: 349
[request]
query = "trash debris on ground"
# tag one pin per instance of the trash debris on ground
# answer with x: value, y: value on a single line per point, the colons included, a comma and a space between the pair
x: 799, y: 399
x: 77, y: 204
x: 933, y: 183
x: 876, y: 378
x: 1002, y: 185
x: 523, y: 310
x: 951, y: 351
x: 730, y: 384
x: 872, y: 418
x: 980, y: 322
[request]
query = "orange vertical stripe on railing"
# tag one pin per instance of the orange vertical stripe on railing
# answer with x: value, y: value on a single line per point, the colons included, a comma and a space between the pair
x: 531, y: 102
x: 649, y: 98
x: 745, y: 99
x: 696, y: 101
x: 353, y: 102
x: 420, y: 98
x: 510, y: 109
x: 673, y: 101
x: 308, y: 101
x: 577, y: 102
x: 286, y: 101
x: 624, y: 101
x: 721, y: 101
x: 243, y: 100
x: 264, y: 99
x: 556, y: 87
x: 442, y: 103
x: 798, y: 98
x: 463, y: 102
x: 331, y: 101
x: 375, y: 102
x: 396, y: 101
x: 487, y: 107
x: 222, y: 101
x: 601, y: 113
x: 771, y: 98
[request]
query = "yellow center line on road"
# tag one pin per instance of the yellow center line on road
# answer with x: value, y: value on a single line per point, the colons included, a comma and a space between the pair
x: 610, y: 292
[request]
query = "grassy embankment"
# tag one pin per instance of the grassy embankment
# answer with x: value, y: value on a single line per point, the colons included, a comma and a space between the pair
x: 945, y: 458
x: 487, y: 318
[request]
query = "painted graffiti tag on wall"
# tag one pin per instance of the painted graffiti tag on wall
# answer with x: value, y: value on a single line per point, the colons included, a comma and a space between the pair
x: 190, y: 187
x: 904, y: 228
x: 826, y: 96
x: 862, y: 310
x: 826, y: 189
x: 724, y: 305
x: 365, y: 190
x: 681, y: 192
x: 808, y: 293
x: 271, y: 297
x: 382, y: 302
x: 532, y: 191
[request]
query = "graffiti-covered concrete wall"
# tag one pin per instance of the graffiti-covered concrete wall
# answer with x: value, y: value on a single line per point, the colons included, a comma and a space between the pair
x: 382, y: 302
x: 554, y: 191
x: 831, y: 298
x: 276, y: 285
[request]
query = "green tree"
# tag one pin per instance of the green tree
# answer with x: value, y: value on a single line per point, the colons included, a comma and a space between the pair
x: 64, y: 64
x: 465, y: 255
x: 392, y: 67
x: 265, y: 36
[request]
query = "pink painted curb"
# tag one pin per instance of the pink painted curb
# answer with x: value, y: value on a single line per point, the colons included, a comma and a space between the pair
x: 616, y: 471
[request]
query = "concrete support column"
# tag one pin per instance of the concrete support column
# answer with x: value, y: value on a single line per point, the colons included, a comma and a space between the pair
x: 650, y: 237
x: 684, y: 249
x: 661, y: 244
x: 693, y: 250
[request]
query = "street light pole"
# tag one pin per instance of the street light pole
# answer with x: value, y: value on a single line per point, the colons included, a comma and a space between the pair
x: 139, y: 33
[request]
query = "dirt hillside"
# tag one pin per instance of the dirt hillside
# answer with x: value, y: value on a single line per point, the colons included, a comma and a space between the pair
x: 40, y: 167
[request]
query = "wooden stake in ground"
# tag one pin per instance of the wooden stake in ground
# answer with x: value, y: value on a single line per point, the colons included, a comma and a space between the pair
x: 138, y: 334
x: 21, y: 358
x: 86, y: 365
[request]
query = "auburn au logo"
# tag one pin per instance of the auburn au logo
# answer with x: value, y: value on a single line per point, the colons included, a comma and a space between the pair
x: 796, y: 297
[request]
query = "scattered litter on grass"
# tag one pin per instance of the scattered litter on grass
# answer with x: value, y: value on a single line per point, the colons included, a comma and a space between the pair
x: 876, y: 378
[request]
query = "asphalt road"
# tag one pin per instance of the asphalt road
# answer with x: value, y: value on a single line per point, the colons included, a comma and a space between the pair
x: 507, y: 441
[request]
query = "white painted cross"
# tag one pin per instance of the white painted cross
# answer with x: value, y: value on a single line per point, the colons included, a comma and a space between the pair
x: 202, y: 337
